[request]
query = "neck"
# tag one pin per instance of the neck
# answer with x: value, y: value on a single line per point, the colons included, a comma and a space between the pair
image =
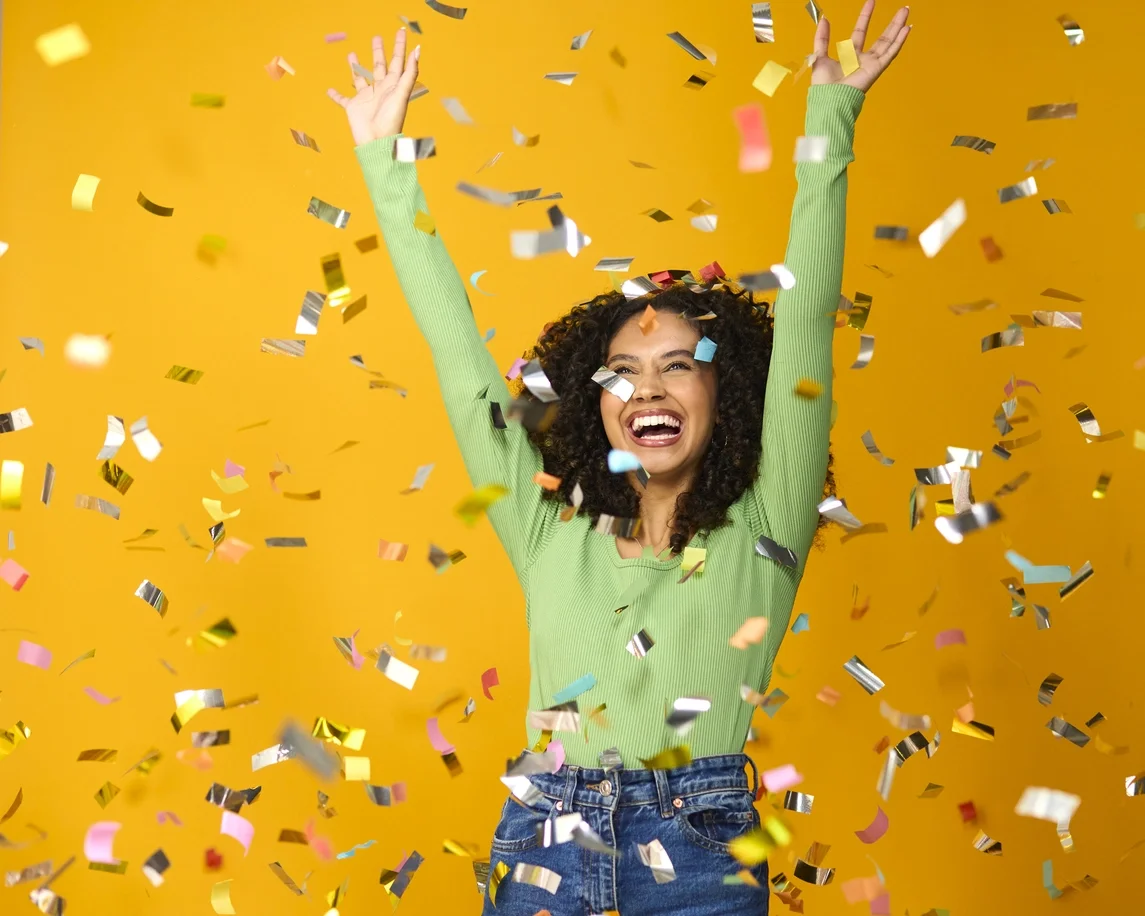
x: 657, y: 509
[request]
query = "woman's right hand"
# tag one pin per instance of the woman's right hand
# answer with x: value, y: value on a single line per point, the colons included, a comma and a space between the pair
x: 378, y: 109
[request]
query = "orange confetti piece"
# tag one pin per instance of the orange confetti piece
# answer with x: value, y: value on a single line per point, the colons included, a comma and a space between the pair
x: 392, y: 550
x: 648, y: 323
x: 546, y: 481
x: 751, y: 632
x: 828, y: 695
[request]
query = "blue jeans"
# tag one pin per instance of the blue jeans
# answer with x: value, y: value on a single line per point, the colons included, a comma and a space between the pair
x: 694, y: 811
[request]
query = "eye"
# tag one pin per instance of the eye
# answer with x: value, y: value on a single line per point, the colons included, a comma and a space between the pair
x: 623, y: 370
x: 677, y: 365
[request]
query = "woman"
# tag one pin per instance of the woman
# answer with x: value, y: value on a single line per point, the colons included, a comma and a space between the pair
x: 731, y: 452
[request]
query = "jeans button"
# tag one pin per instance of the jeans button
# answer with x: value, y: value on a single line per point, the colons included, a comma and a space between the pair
x: 606, y: 787
x: 677, y: 803
x: 560, y: 806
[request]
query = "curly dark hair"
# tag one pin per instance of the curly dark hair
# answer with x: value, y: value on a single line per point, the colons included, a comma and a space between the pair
x: 575, y: 447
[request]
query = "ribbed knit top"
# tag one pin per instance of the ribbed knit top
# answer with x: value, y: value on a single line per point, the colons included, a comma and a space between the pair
x: 574, y: 579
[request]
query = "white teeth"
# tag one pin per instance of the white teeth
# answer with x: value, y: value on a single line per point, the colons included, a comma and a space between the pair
x: 655, y: 420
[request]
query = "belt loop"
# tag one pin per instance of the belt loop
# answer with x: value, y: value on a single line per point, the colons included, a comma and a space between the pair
x: 663, y: 793
x: 570, y: 789
x: 754, y: 777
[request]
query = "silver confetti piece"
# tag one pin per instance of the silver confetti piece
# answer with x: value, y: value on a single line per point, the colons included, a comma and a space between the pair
x: 866, y: 351
x: 156, y: 864
x: 565, y: 79
x: 685, y: 711
x: 784, y: 556
x: 1062, y: 729
x: 1048, y: 805
x: 457, y: 111
x: 1027, y: 188
x: 580, y: 40
x: 285, y: 542
x: 778, y: 277
x: 31, y: 873
x: 974, y: 143
x: 939, y: 474
x: 639, y: 644
x: 113, y: 441
x: 1011, y: 337
x: 1068, y: 320
x: 379, y: 795
x: 1056, y: 205
x: 33, y: 343
x: 811, y: 149
x: 101, y: 506
x: 815, y: 12
x: 955, y: 527
x: 1042, y: 617
x: 275, y: 754
x: 1075, y: 581
x: 911, y: 745
x: 892, y: 233
x: 987, y: 844
x: 280, y: 347
x: 613, y: 383
x: 537, y: 876
x: 869, y: 441
x: 637, y: 287
x: 148, y: 446
x: 615, y: 264
x: 562, y: 718
x: 312, y: 753
x: 411, y: 149
x: 211, y: 698
x: 153, y: 595
x: 937, y: 234
x: 964, y: 457
x: 764, y: 25
x: 453, y: 12
x: 308, y: 317
x: 1047, y: 112
x: 887, y: 774
x: 328, y: 213
x: 1074, y: 33
x: 687, y: 45
x: 610, y: 759
x: 617, y: 526
x: 211, y: 739
x: 537, y: 382
x: 655, y: 856
x: 1134, y: 785
x: 812, y: 874
x: 836, y: 510
x: 564, y: 236
x: 500, y: 198
x: 799, y: 802
x: 1050, y: 683
x: 902, y: 720
x: 863, y: 675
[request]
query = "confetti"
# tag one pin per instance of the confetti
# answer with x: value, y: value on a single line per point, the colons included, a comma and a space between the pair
x: 238, y: 827
x: 954, y: 528
x: 83, y: 193
x: 781, y: 778
x: 396, y: 670
x: 968, y: 812
x: 473, y: 507
x: 811, y: 149
x: 153, y: 595
x: 640, y: 644
x: 863, y: 675
x: 949, y: 638
x: 1081, y: 576
x: 974, y: 729
x: 669, y: 758
x: 1048, y: 805
x: 419, y: 479
x: 784, y: 556
x: 866, y: 351
x: 655, y: 856
x: 97, y: 844
x: 932, y: 790
x: 1054, y: 205
x: 762, y: 22
x: 1052, y: 111
x: 155, y: 208
x: 1074, y: 33
x: 613, y: 383
x: 148, y: 446
x: 328, y: 213
x: 769, y: 78
x: 1062, y: 729
x: 755, y: 146
x: 974, y: 143
x: 986, y: 844
x: 876, y: 829
x: 937, y: 234
x: 89, y: 351
x: 221, y: 898
x: 488, y: 680
x: 750, y: 632
x: 848, y: 58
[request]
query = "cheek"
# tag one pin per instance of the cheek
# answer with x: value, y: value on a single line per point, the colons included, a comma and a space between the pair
x: 698, y: 397
x: 610, y: 408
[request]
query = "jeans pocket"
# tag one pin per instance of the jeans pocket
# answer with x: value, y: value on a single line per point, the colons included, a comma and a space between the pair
x: 517, y: 829
x: 713, y: 828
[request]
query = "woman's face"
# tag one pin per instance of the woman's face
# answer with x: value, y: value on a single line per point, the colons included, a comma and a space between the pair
x: 668, y: 421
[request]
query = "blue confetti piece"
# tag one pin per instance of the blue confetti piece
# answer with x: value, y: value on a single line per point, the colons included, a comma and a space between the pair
x: 575, y: 689
x: 773, y: 702
x: 1048, y: 879
x: 489, y: 334
x: 1036, y: 575
x: 349, y: 853
x: 705, y: 350
x: 620, y: 461
x: 802, y: 623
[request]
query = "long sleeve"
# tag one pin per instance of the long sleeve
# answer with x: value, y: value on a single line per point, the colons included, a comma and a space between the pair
x: 468, y: 376
x: 796, y: 430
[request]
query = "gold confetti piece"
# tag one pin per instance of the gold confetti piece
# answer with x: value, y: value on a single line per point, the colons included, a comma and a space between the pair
x: 1054, y: 205
x: 1046, y: 690
x: 848, y: 58
x: 106, y: 793
x: 11, y: 483
x: 114, y: 868
x: 151, y: 207
x: 83, y: 194
x: 1074, y: 33
x: 343, y: 735
x: 328, y: 213
x: 974, y: 143
x: 973, y: 729
x: 937, y: 234
x: 1026, y: 188
x: 221, y: 898
x: 12, y: 738
x: 470, y: 509
x: 669, y: 758
x: 183, y: 374
x: 769, y: 78
x: 1052, y: 110
x: 153, y: 595
x: 116, y: 476
x: 799, y: 802
x: 278, y: 67
x: 808, y: 388
x: 205, y: 100
x: 215, y: 510
x: 932, y: 790
x: 986, y: 844
x: 98, y: 755
x: 62, y: 45
x: 185, y: 712
x: 496, y: 876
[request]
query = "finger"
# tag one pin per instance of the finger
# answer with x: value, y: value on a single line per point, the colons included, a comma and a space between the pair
x: 890, y: 32
x: 894, y: 47
x: 409, y: 73
x: 859, y: 35
x: 338, y: 97
x: 359, y: 81
x: 399, y: 52
x: 379, y: 58
x: 822, y: 37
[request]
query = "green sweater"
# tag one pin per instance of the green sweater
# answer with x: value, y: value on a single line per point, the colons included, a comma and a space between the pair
x: 573, y: 578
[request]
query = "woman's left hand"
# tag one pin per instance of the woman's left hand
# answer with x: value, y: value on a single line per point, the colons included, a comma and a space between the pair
x: 872, y: 63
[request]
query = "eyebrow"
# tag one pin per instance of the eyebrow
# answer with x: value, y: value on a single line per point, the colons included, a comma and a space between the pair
x: 669, y: 355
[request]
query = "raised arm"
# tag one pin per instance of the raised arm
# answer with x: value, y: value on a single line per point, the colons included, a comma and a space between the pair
x: 436, y: 294
x: 796, y: 430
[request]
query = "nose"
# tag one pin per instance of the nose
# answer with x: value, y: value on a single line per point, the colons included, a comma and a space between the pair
x: 649, y: 387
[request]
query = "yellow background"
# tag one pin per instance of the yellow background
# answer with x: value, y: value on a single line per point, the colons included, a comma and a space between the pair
x: 122, y: 113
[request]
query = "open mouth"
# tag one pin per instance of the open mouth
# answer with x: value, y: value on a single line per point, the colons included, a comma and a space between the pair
x: 651, y: 429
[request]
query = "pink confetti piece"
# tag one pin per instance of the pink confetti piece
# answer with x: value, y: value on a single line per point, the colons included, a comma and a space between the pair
x: 238, y: 827
x: 876, y: 829
x: 356, y: 657
x: 230, y: 469
x: 515, y: 369
x: 14, y: 574
x: 489, y: 679
x: 398, y: 792
x: 881, y: 905
x: 558, y: 751
x: 781, y: 778
x: 949, y: 638
x: 321, y: 846
x: 98, y: 841
x: 755, y: 147
x: 335, y: 36
x: 31, y: 654
x: 436, y: 738
x: 857, y: 890
x: 169, y: 817
x: 99, y: 697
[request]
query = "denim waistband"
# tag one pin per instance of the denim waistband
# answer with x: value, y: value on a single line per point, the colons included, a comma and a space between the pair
x: 621, y: 787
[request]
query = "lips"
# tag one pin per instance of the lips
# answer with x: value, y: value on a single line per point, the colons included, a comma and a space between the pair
x: 654, y: 428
